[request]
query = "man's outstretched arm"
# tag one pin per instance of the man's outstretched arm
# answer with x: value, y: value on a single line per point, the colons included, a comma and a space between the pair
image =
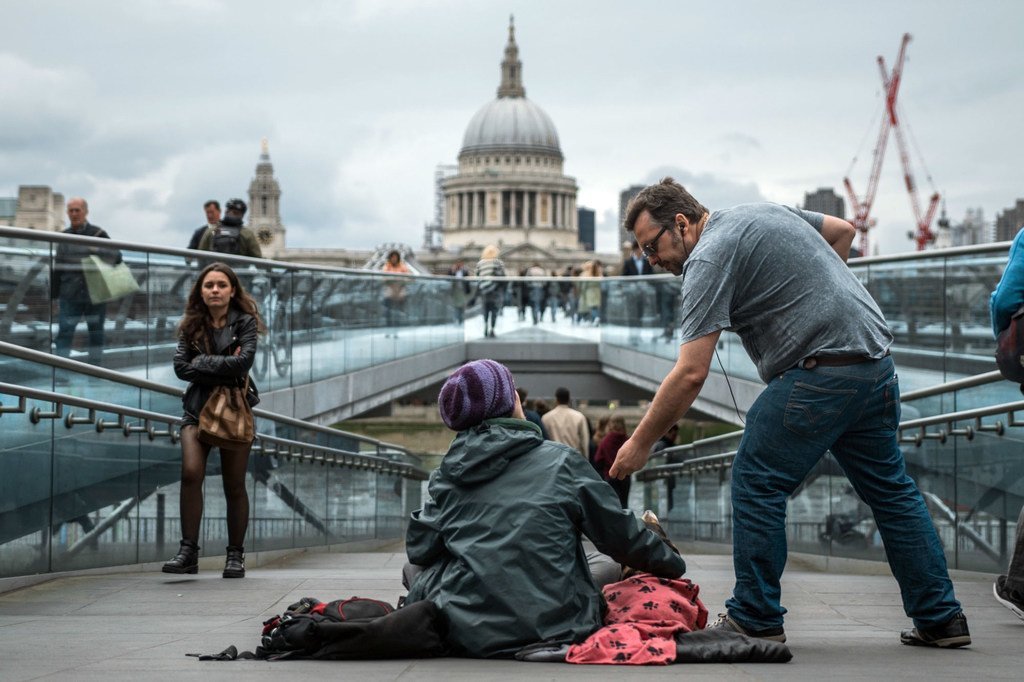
x: 674, y: 397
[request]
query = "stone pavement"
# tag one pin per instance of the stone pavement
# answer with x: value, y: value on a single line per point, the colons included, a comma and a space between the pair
x: 140, y: 625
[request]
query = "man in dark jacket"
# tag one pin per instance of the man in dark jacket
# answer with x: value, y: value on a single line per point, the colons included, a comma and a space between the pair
x: 68, y: 286
x: 500, y: 535
x: 212, y: 210
x: 635, y: 265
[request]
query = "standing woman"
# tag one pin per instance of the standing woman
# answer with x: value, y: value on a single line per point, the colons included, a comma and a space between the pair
x: 491, y: 291
x: 590, y: 291
x: 216, y: 347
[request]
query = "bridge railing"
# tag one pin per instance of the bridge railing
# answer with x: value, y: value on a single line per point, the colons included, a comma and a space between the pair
x: 321, y: 322
x: 90, y: 474
x: 967, y: 459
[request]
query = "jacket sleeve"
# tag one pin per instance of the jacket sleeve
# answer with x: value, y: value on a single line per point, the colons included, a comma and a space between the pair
x: 229, y: 366
x: 183, y: 368
x: 1009, y: 293
x: 250, y: 245
x: 423, y: 543
x: 618, y: 532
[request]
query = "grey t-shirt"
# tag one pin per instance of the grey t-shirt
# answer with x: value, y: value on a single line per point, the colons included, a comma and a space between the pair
x: 765, y: 272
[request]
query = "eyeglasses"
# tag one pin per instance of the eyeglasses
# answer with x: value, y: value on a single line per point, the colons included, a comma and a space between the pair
x: 650, y: 249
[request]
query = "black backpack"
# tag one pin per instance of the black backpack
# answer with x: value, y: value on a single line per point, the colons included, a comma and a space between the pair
x: 227, y: 239
x: 1010, y: 349
x: 354, y: 628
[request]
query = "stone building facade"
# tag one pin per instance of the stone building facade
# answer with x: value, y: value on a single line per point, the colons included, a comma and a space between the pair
x: 37, y: 207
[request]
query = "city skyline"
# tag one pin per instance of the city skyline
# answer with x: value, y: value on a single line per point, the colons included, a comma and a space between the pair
x: 151, y: 108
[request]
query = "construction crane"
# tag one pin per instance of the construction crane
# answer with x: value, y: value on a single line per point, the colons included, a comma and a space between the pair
x: 862, y: 219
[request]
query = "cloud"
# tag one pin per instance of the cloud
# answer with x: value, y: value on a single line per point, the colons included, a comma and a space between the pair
x: 712, y: 191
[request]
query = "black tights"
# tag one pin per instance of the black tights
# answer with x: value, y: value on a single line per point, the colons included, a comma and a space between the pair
x: 193, y: 471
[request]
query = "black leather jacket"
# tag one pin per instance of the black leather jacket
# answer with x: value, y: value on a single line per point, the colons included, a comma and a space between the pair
x: 203, y: 370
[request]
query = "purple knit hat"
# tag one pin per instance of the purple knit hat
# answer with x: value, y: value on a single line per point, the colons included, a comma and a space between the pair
x: 478, y: 390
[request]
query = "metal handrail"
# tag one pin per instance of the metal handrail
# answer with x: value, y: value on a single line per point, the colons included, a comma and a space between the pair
x: 956, y: 385
x: 40, y: 357
x: 326, y: 454
x: 47, y: 236
x: 949, y: 419
x: 938, y: 389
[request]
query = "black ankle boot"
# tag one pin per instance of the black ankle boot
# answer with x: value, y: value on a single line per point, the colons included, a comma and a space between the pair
x: 234, y: 565
x: 185, y: 561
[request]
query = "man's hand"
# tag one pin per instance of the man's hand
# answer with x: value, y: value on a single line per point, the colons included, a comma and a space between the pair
x: 631, y: 458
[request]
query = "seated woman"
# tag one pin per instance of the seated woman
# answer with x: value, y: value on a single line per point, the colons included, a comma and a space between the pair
x: 500, y: 535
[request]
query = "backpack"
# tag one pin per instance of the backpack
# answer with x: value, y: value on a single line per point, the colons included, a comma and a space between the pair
x: 1010, y: 349
x: 227, y: 239
x: 354, y: 628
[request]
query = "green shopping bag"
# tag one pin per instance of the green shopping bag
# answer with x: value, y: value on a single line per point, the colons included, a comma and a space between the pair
x: 107, y: 282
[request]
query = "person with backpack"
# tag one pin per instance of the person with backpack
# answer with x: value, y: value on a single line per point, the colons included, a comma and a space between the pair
x: 490, y: 289
x: 1006, y: 301
x: 500, y: 537
x: 230, y: 236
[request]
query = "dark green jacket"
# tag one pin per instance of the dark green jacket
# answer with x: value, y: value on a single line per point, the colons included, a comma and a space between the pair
x: 501, y: 537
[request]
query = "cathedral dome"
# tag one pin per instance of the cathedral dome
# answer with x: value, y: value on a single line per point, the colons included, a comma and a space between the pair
x: 511, y: 123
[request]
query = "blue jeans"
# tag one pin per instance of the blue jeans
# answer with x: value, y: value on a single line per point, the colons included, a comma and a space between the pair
x: 852, y: 411
x: 73, y: 311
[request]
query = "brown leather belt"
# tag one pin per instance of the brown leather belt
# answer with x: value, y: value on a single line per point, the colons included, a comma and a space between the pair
x: 833, y: 361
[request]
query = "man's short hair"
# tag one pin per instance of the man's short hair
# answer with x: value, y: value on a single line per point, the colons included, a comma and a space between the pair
x: 562, y: 395
x: 663, y: 201
x: 522, y: 394
x: 212, y: 202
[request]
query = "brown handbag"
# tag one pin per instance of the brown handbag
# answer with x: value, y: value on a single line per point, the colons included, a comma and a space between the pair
x: 226, y: 420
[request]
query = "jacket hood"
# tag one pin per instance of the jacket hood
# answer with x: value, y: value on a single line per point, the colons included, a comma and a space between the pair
x: 481, y: 453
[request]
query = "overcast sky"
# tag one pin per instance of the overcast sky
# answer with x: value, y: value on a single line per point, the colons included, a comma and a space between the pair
x: 147, y: 108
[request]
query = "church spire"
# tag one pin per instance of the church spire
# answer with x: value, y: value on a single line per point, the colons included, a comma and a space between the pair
x: 511, y: 67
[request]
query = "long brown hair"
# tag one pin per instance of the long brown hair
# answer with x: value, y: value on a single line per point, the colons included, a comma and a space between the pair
x: 197, y: 319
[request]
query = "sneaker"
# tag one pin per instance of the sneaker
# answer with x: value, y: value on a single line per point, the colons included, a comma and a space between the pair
x: 725, y: 622
x: 1006, y: 598
x: 951, y: 634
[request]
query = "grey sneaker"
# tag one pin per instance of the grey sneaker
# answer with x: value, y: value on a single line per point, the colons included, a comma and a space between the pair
x: 725, y: 622
x: 949, y: 635
x: 1004, y: 597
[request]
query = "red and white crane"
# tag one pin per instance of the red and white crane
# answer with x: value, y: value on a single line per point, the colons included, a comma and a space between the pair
x: 861, y: 207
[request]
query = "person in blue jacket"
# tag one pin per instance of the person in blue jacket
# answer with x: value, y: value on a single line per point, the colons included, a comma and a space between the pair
x: 500, y: 536
x: 1006, y: 300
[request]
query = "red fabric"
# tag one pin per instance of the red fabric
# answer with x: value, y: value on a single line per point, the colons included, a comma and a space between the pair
x: 644, y: 615
x: 606, y: 451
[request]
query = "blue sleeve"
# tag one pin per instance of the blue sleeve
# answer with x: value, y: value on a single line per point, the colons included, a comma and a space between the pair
x: 1009, y: 293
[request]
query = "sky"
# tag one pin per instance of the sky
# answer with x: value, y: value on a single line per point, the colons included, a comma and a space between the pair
x: 149, y: 108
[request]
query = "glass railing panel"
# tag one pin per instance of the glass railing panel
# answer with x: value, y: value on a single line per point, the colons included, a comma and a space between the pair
x: 160, y: 494
x: 279, y: 361
x: 304, y: 326
x: 311, y: 490
x: 159, y: 306
x: 95, y: 476
x: 987, y: 499
x: 272, y: 502
x: 26, y: 458
x: 354, y: 506
x: 26, y: 311
x: 390, y: 507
